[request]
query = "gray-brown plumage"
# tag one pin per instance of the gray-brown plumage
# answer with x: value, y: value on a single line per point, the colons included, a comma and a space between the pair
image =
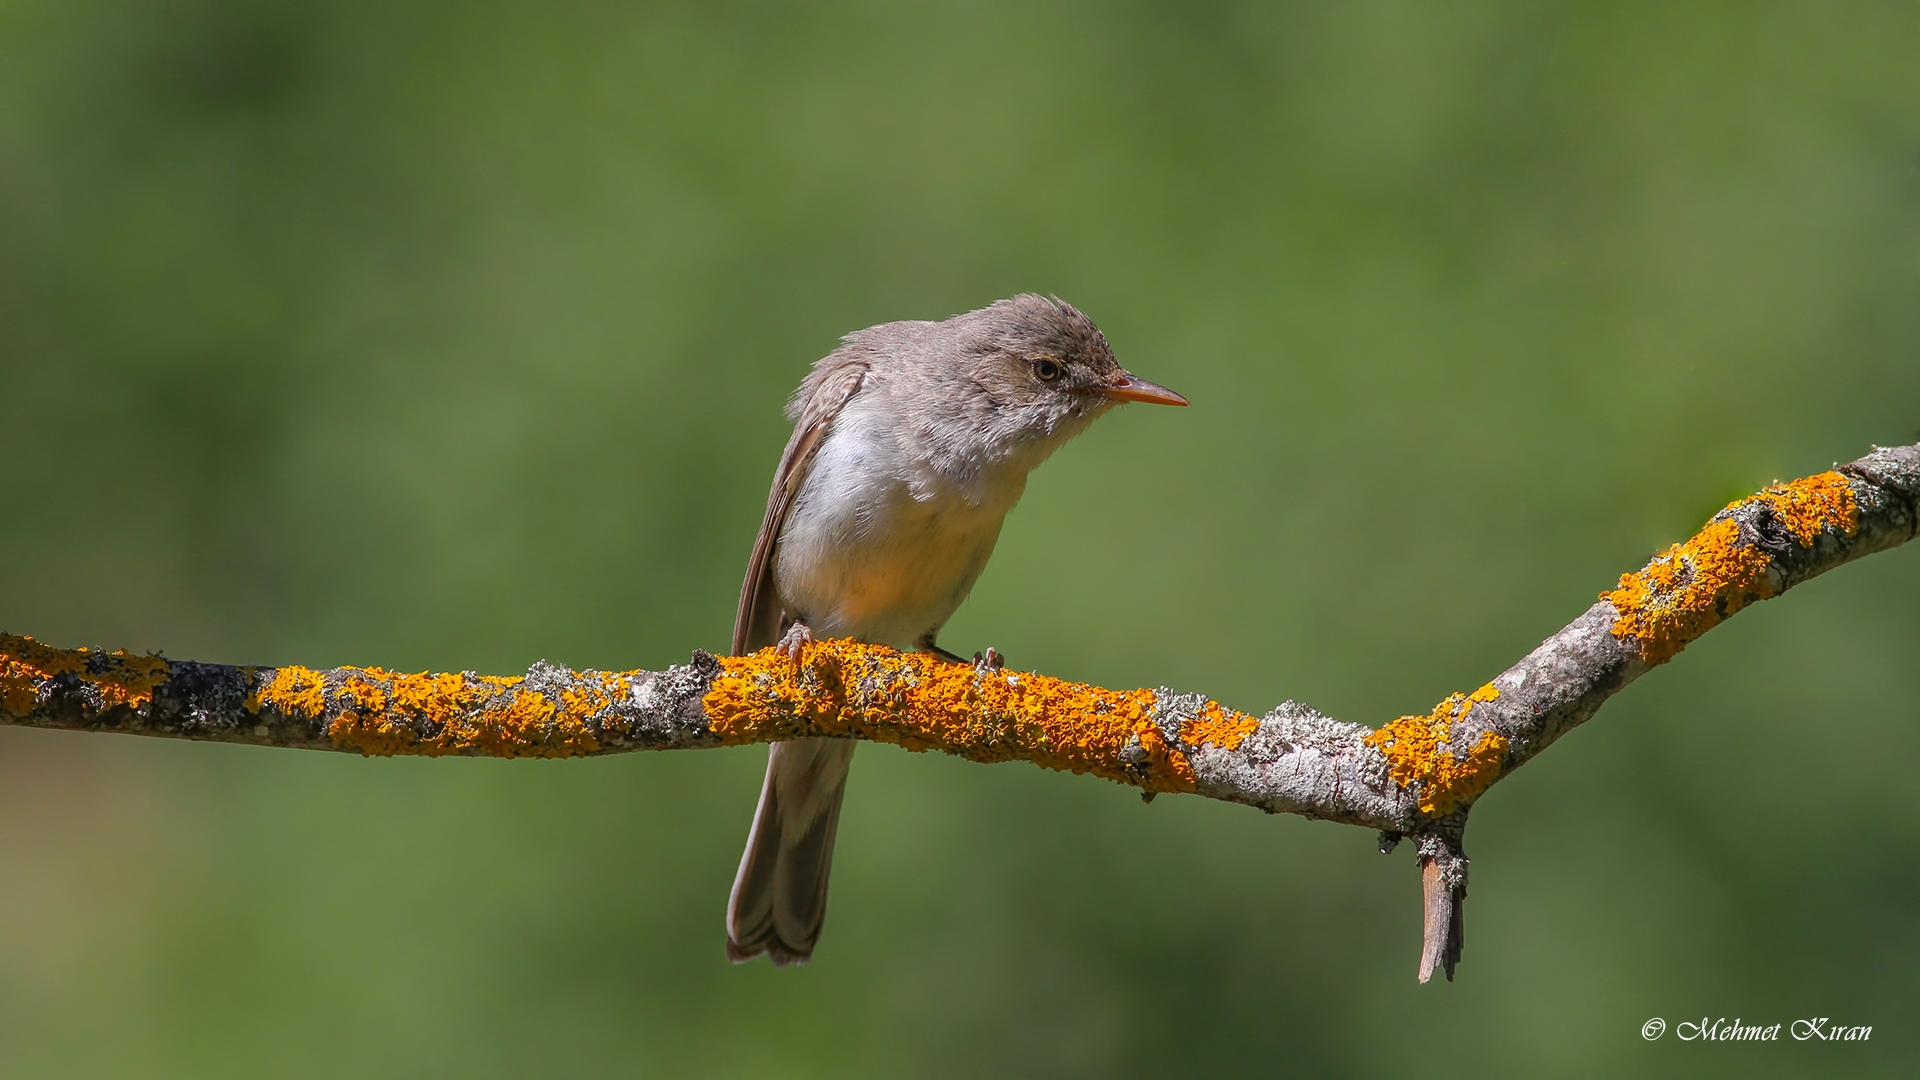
x: 911, y: 442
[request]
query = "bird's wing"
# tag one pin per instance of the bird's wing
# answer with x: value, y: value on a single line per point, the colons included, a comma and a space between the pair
x: 757, y: 623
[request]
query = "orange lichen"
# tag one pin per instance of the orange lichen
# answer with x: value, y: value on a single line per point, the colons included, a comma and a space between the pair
x: 382, y: 713
x: 1217, y: 725
x: 385, y: 713
x: 920, y: 702
x: 119, y: 678
x: 25, y: 667
x: 128, y: 679
x: 296, y: 691
x: 1693, y: 586
x: 1443, y: 778
x: 1811, y: 504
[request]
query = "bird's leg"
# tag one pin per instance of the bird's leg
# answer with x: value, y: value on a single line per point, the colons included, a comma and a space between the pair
x: 796, y: 639
x: 926, y: 645
x: 991, y: 660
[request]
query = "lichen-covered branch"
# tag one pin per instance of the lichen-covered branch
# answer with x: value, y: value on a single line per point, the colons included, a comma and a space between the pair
x: 1416, y: 776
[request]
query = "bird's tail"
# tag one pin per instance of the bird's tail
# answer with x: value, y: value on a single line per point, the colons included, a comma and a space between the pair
x: 780, y: 895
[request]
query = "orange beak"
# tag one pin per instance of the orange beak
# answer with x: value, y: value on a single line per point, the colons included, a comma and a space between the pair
x: 1134, y: 388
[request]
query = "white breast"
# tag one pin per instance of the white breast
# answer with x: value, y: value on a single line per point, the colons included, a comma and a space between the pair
x: 880, y: 547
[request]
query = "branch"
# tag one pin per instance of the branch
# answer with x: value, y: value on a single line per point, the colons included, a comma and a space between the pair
x: 1417, y: 776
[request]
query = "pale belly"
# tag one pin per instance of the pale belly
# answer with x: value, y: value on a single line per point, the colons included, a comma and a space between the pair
x: 863, y: 557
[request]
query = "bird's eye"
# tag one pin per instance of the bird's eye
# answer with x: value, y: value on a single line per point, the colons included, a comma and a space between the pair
x: 1046, y: 370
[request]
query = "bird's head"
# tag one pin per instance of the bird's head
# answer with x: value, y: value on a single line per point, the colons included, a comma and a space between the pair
x: 1001, y: 386
x: 1044, y: 370
x: 1043, y: 350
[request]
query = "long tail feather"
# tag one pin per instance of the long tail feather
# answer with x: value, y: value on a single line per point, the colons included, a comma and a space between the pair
x: 779, y: 897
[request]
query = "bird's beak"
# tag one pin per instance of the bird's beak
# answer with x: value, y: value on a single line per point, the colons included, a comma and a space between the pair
x: 1135, y: 388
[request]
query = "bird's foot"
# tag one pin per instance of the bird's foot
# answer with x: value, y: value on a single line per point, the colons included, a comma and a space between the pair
x: 984, y: 663
x: 794, y: 642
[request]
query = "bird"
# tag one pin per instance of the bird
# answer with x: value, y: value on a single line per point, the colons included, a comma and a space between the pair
x: 911, y: 442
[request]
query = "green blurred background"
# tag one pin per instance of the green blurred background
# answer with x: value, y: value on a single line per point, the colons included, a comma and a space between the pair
x: 455, y: 336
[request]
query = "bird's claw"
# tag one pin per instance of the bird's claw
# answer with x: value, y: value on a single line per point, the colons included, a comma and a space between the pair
x: 989, y: 661
x: 794, y: 642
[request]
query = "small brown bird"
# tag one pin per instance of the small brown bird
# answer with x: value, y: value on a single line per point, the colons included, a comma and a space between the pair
x: 911, y: 442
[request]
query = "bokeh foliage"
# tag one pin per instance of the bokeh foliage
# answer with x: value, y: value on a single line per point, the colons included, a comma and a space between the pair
x: 454, y: 336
